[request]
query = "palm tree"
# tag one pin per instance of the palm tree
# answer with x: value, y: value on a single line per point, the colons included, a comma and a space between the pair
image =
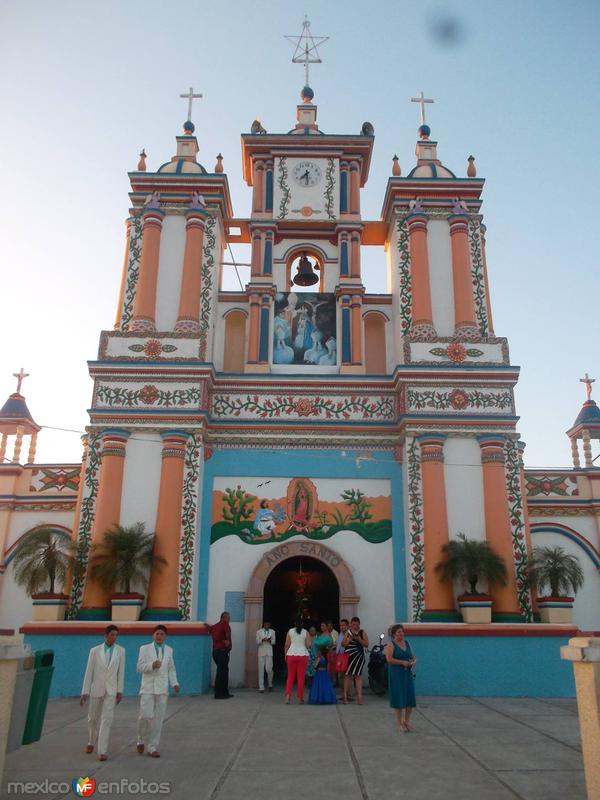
x: 470, y: 560
x: 124, y: 557
x: 42, y: 559
x: 553, y: 567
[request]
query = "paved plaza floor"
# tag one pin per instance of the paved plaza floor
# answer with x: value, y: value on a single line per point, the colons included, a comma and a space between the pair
x: 254, y: 746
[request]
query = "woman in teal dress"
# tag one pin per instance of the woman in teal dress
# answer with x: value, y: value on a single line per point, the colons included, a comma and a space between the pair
x: 322, y: 640
x: 400, y: 659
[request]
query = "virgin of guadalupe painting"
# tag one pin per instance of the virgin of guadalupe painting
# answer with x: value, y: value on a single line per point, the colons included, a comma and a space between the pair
x: 301, y: 504
x: 304, y: 328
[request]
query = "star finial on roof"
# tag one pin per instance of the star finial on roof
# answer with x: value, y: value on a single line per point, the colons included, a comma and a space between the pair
x: 307, y: 48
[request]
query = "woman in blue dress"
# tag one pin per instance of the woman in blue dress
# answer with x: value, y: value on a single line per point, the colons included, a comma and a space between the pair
x: 317, y: 642
x: 400, y: 659
x: 321, y: 690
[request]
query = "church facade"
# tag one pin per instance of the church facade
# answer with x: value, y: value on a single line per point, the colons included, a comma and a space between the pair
x: 303, y: 445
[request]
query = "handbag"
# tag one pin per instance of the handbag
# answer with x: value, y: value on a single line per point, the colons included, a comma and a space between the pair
x: 341, y: 662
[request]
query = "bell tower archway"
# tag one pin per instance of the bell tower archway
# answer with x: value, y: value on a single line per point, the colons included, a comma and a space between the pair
x: 255, y: 592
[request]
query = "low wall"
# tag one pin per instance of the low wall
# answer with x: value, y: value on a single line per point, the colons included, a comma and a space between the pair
x: 491, y: 660
x: 71, y: 643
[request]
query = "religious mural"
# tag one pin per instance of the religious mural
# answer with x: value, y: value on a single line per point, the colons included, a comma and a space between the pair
x: 259, y: 510
x: 304, y: 329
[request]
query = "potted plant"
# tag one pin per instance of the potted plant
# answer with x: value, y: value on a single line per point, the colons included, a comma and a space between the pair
x: 122, y: 560
x: 470, y: 561
x: 552, y: 567
x: 41, y: 562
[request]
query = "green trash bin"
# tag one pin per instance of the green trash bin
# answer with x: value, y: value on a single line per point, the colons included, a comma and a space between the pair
x: 43, y: 665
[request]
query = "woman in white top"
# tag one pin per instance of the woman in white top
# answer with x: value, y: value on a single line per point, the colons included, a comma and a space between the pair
x: 296, y: 657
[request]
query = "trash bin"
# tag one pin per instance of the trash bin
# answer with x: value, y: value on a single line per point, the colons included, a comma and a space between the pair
x: 24, y: 682
x: 43, y: 664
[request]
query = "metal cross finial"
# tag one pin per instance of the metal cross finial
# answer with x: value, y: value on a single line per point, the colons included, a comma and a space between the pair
x: 20, y: 376
x: 306, y: 45
x: 190, y: 96
x: 421, y: 100
x: 588, y: 385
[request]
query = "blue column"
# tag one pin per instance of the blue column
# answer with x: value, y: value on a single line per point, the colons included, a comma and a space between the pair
x: 269, y: 191
x: 343, y: 191
x: 346, y: 353
x: 268, y: 257
x: 263, y: 347
x: 344, y: 268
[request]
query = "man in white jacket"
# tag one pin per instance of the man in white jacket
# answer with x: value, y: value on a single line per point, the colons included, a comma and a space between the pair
x: 103, y: 685
x: 157, y: 668
x: 265, y: 639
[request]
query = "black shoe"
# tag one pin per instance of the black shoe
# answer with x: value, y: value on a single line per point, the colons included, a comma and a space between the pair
x: 223, y: 696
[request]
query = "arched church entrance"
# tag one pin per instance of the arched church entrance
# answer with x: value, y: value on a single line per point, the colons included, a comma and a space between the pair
x: 295, y: 577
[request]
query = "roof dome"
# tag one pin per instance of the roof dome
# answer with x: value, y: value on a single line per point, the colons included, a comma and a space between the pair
x: 16, y: 408
x: 589, y: 414
x: 189, y: 126
x: 182, y: 167
x: 431, y: 170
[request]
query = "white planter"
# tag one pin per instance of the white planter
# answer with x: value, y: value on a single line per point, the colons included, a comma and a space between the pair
x: 556, y: 610
x: 126, y: 607
x: 49, y: 607
x: 476, y: 609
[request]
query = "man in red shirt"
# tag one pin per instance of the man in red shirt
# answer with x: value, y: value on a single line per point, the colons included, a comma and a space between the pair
x: 221, y: 636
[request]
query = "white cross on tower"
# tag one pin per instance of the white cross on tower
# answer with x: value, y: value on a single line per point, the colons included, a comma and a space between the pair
x: 20, y: 376
x: 588, y: 385
x: 421, y: 100
x: 190, y: 96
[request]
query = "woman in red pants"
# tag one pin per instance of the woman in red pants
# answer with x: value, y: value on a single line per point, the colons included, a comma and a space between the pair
x: 296, y: 657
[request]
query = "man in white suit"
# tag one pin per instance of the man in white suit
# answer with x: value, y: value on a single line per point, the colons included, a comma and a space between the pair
x: 103, y: 685
x: 157, y: 668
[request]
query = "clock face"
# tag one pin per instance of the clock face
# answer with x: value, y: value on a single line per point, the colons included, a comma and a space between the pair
x: 307, y: 173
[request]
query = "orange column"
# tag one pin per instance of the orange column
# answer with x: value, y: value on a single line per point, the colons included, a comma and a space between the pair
x: 497, y: 526
x: 144, y: 306
x: 422, y: 317
x: 188, y: 318
x: 355, y: 255
x: 258, y: 194
x: 354, y: 188
x: 356, y: 325
x: 439, y: 596
x: 256, y: 257
x: 123, y: 275
x: 465, y: 323
x: 96, y: 600
x: 488, y: 302
x: 164, y: 583
x: 253, y: 336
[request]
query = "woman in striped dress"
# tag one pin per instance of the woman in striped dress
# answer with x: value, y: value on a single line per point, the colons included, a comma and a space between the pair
x: 354, y: 645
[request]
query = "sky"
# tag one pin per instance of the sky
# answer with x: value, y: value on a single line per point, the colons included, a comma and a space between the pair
x: 84, y: 86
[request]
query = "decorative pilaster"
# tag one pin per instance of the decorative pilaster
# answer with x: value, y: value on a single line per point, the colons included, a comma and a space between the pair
x: 465, y: 322
x: 354, y: 188
x: 422, y: 316
x: 355, y: 254
x: 3, y: 444
x: 356, y: 317
x: 254, y: 328
x: 255, y: 259
x: 32, y: 448
x: 107, y: 513
x: 144, y: 306
x: 488, y: 303
x: 164, y: 582
x: 346, y: 332
x: 268, y: 253
x: 188, y: 318
x: 123, y: 275
x: 587, y: 449
x: 575, y: 453
x: 344, y: 255
x: 258, y: 192
x: 269, y: 186
x: 265, y: 319
x: 439, y: 595
x: 498, y: 530
x: 344, y: 187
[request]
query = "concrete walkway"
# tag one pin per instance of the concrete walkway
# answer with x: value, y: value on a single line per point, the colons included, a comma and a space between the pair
x: 254, y: 746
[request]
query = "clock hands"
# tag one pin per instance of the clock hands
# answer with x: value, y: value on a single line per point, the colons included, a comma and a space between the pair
x: 305, y: 176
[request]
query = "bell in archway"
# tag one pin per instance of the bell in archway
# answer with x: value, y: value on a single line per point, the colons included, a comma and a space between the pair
x: 305, y: 275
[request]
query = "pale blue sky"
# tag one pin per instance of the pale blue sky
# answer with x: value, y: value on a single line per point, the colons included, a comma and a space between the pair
x: 83, y: 87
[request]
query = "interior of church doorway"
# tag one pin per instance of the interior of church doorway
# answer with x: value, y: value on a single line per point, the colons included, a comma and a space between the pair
x: 299, y: 585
